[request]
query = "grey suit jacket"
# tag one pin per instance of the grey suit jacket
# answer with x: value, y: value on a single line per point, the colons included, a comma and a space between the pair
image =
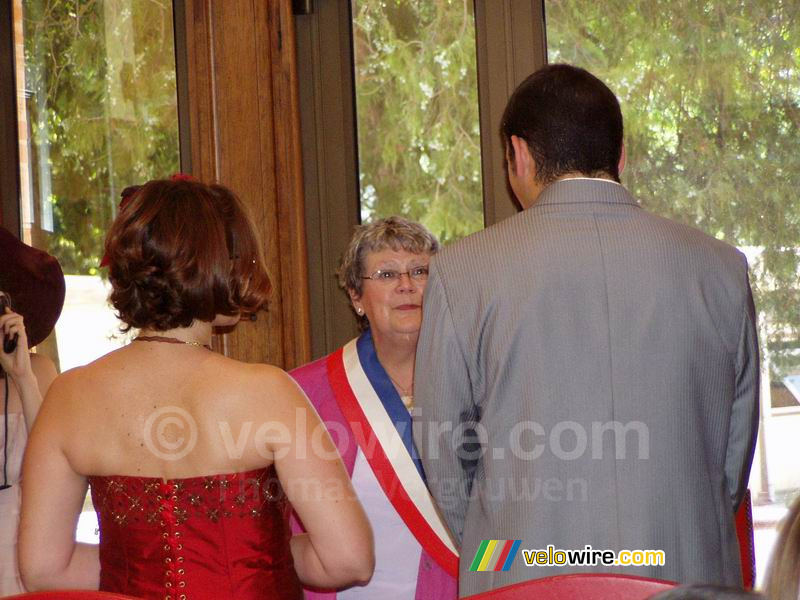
x: 587, y: 375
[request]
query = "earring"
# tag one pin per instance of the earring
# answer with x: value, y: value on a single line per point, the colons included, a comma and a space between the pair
x: 360, y: 311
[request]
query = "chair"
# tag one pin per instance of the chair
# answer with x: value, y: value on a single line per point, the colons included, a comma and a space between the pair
x: 588, y: 586
x: 70, y: 595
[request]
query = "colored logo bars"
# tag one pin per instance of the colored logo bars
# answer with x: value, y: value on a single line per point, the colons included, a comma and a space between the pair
x: 495, y: 555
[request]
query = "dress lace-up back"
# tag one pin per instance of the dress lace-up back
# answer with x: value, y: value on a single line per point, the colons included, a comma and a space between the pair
x: 215, y: 537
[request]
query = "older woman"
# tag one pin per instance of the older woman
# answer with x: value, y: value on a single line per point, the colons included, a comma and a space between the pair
x: 364, y: 392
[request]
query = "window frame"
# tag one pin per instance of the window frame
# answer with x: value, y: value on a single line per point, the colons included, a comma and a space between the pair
x: 10, y: 190
x: 510, y: 44
x: 9, y: 134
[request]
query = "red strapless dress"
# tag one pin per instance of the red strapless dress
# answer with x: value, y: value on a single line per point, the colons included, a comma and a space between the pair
x: 217, y: 537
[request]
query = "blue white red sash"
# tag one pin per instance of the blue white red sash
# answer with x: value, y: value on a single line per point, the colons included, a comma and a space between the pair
x: 357, y: 378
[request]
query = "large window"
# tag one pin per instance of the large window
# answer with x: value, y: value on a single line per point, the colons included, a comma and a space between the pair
x: 96, y: 112
x: 400, y: 102
x: 710, y: 93
x: 416, y: 81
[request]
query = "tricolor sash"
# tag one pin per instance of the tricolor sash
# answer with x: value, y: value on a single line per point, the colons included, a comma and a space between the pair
x: 381, y: 426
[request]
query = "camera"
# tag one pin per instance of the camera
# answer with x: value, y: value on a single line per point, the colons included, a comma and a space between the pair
x: 9, y: 342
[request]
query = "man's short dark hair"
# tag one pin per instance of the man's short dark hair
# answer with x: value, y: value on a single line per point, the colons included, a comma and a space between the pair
x: 570, y: 120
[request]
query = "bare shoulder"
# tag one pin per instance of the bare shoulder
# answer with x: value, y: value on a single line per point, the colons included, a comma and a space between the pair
x: 269, y: 387
x: 249, y: 374
x: 61, y: 400
x: 264, y: 376
x: 64, y: 386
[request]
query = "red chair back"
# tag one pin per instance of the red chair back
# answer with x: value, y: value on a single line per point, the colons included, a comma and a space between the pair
x: 70, y: 595
x: 582, y: 586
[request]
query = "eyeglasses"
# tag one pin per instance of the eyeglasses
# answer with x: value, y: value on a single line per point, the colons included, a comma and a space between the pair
x: 391, y: 276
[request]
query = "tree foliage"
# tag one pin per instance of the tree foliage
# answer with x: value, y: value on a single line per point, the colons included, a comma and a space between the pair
x: 710, y: 93
x: 417, y: 100
x: 102, y: 112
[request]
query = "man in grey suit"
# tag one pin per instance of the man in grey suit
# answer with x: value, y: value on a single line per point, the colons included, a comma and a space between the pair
x: 587, y: 373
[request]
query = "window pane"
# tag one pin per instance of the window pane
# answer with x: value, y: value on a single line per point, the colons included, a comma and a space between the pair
x: 710, y: 93
x: 97, y: 109
x: 417, y: 110
x: 97, y: 112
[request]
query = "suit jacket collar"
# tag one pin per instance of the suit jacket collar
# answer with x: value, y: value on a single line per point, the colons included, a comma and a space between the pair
x: 581, y: 191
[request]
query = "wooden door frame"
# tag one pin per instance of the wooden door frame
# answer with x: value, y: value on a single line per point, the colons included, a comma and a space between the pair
x: 510, y: 44
x: 241, y: 100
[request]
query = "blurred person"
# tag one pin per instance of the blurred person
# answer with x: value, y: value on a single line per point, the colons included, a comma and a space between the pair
x: 364, y: 392
x: 782, y: 581
x: 32, y: 293
x: 596, y: 365
x: 192, y: 501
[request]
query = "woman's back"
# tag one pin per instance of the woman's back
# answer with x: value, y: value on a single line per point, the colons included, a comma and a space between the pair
x: 188, y: 452
x: 169, y: 411
x: 181, y: 512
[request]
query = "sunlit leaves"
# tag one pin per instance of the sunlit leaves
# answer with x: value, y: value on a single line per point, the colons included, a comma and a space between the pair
x: 102, y: 111
x: 418, y: 132
x: 710, y: 92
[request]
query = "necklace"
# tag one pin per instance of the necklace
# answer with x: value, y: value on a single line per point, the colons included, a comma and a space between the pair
x: 406, y: 394
x: 168, y: 340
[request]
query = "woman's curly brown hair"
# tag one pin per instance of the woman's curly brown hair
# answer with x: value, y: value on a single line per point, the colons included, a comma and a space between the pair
x: 181, y: 250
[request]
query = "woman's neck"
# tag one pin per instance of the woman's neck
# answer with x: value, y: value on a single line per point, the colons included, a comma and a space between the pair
x: 199, y: 332
x: 397, y: 357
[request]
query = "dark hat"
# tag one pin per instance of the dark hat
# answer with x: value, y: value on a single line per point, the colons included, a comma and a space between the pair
x: 34, y: 283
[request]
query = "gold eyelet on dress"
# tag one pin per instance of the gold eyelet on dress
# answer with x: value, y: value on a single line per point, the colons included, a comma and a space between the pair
x: 168, y: 560
x: 168, y: 584
x: 181, y: 572
x: 182, y: 597
x: 180, y: 546
x: 182, y: 584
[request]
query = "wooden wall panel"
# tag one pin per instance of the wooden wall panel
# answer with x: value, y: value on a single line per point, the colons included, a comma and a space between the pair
x: 289, y: 183
x: 245, y: 134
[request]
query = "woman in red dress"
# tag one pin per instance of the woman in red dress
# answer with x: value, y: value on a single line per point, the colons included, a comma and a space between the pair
x: 193, y: 458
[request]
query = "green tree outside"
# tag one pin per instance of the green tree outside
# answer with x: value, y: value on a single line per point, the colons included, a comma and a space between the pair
x: 710, y: 93
x: 417, y: 99
x: 102, y: 112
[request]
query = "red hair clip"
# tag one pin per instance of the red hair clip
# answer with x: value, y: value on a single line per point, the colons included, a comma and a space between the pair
x: 182, y: 177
